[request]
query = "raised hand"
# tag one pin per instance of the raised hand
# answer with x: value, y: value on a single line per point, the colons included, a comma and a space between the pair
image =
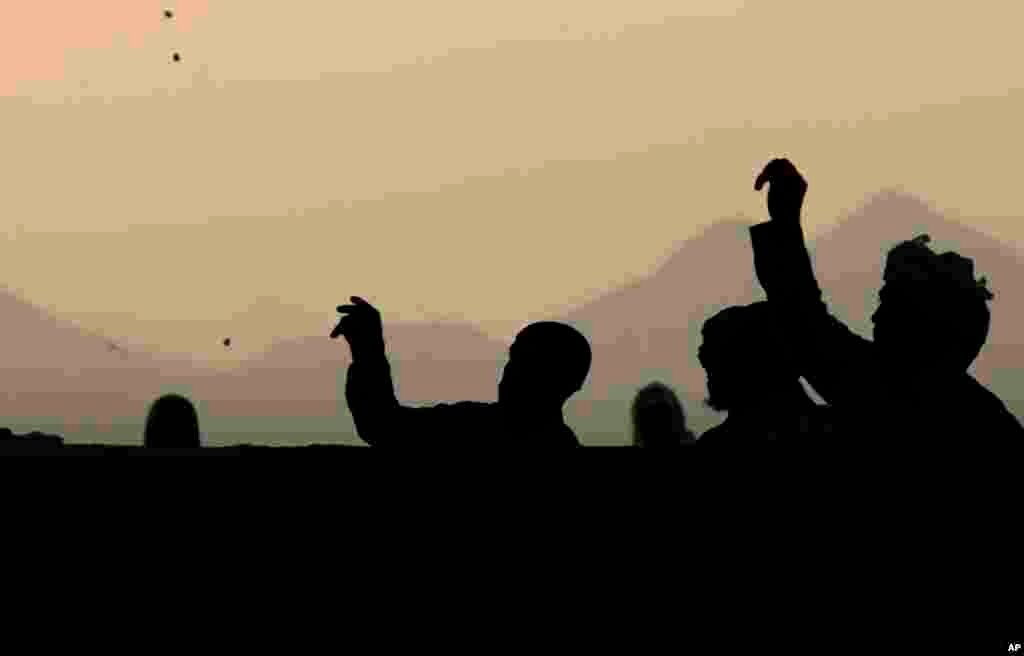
x: 361, y: 327
x: 785, y: 191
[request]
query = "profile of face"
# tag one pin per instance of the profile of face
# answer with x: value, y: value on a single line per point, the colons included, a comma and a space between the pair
x: 514, y: 387
x: 547, y: 363
x: 743, y: 355
x: 724, y: 377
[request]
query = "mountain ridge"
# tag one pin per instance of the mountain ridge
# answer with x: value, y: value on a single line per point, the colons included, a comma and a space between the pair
x: 646, y: 330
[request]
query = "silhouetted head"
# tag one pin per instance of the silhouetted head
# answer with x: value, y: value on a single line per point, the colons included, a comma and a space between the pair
x: 745, y: 355
x: 548, y: 362
x: 658, y: 417
x: 172, y: 422
x: 932, y: 314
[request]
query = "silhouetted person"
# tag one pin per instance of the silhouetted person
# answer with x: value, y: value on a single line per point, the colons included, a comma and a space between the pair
x: 911, y: 382
x: 172, y: 423
x: 34, y: 441
x: 658, y: 418
x: 752, y: 375
x: 548, y: 363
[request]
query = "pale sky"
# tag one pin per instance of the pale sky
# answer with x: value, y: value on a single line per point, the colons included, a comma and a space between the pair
x: 445, y: 158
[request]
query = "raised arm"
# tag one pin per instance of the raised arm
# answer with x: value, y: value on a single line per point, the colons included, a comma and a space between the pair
x: 379, y: 418
x: 837, y: 362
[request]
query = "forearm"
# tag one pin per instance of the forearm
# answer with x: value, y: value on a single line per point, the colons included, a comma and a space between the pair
x: 832, y: 358
x: 370, y: 395
x: 784, y: 268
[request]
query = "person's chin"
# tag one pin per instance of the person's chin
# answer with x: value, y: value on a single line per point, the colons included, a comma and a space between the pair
x: 714, y: 398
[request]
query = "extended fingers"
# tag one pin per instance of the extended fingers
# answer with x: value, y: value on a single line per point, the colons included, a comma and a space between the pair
x: 339, y: 329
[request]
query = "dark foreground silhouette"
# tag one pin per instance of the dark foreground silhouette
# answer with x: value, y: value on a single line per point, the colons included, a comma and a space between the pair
x: 548, y: 363
x: 911, y: 382
x: 34, y: 442
x: 754, y: 376
x: 36, y: 445
x: 658, y: 418
x: 172, y: 423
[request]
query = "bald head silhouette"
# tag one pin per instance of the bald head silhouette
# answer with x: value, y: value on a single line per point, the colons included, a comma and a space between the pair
x: 548, y: 362
x: 172, y: 423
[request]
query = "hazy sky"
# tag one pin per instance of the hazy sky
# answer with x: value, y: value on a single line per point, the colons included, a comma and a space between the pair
x: 484, y: 159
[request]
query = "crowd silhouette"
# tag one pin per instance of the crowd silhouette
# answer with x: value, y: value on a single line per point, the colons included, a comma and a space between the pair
x: 931, y: 323
x: 909, y: 382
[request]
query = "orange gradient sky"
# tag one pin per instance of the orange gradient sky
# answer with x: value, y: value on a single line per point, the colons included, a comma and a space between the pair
x: 447, y: 158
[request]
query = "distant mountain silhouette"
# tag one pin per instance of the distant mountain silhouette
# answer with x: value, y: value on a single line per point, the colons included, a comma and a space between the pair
x: 651, y: 328
x: 431, y: 362
x: 57, y: 371
x: 647, y: 330
x: 53, y: 368
x: 850, y: 258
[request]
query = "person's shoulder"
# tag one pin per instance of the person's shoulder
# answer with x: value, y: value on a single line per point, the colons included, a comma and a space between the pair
x: 978, y: 393
x: 462, y: 405
x: 467, y: 413
x: 987, y: 403
x: 976, y: 388
x: 715, y: 433
x: 569, y: 437
x: 470, y: 406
